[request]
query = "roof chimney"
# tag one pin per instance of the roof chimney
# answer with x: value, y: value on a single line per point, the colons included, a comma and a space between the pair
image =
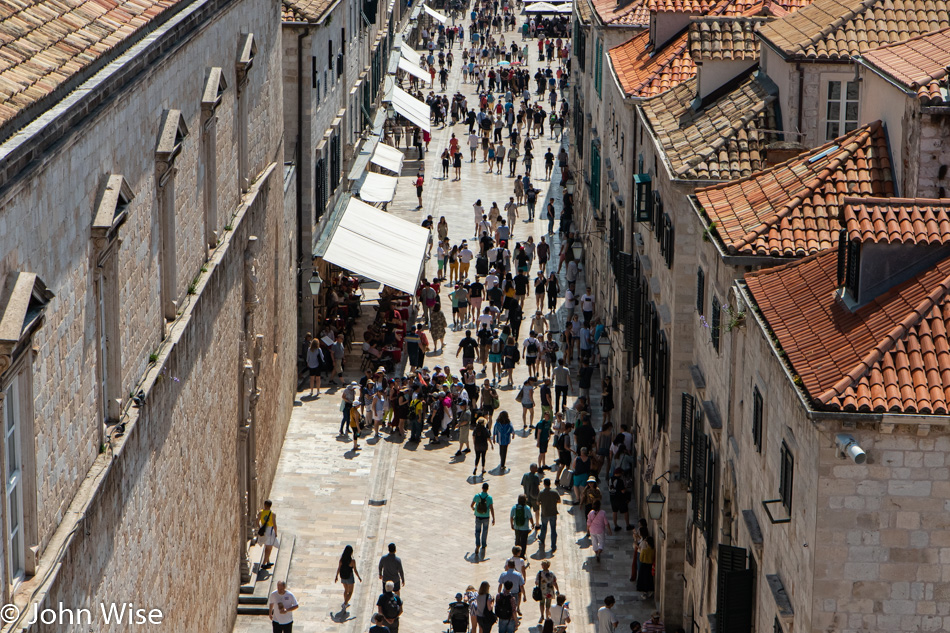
x: 781, y: 151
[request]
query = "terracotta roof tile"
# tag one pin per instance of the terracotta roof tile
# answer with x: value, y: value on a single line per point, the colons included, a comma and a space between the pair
x: 45, y: 43
x: 891, y: 355
x: 723, y: 38
x: 838, y: 29
x: 642, y: 74
x: 919, y: 64
x: 583, y: 11
x: 632, y: 14
x: 793, y: 209
x: 304, y: 10
x: 682, y: 6
x: 898, y: 220
x: 724, y: 140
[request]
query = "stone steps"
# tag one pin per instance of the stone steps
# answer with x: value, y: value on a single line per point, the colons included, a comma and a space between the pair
x: 253, y: 596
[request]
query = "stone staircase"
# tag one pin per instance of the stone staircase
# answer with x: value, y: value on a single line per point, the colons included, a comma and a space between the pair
x: 252, y: 599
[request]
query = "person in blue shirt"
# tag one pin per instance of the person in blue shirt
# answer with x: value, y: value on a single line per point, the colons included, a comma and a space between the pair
x: 501, y: 434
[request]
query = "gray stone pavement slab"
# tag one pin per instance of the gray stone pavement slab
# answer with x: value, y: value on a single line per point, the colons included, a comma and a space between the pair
x: 419, y: 497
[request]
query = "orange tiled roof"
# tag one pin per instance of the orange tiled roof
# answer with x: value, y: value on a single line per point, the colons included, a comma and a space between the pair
x: 724, y: 38
x: 898, y: 220
x: 919, y: 64
x: 838, y: 29
x: 644, y: 75
x: 304, y: 10
x: 682, y: 6
x: 46, y: 43
x: 724, y: 140
x: 890, y: 355
x: 794, y: 209
x: 633, y: 14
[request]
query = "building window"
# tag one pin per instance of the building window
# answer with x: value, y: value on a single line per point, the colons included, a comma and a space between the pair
x: 656, y: 213
x: 245, y: 60
x: 714, y: 328
x: 667, y: 240
x: 321, y: 189
x: 841, y: 108
x: 686, y: 440
x: 595, y: 177
x: 642, y: 196
x: 210, y: 100
x: 335, y: 164
x: 662, y: 378
x: 757, y: 411
x: 12, y: 434
x: 330, y: 54
x: 170, y: 142
x: 786, y: 476
x: 599, y: 68
x: 700, y: 290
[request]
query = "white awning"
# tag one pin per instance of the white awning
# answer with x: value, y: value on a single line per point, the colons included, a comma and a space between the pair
x: 541, y: 7
x: 379, y: 245
x: 414, y: 69
x: 435, y: 14
x: 411, y: 108
x: 378, y: 188
x: 409, y: 52
x: 388, y: 157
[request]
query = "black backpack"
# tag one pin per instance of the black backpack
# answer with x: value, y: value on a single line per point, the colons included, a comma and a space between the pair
x: 481, y: 506
x: 503, y: 609
x: 390, y: 607
x: 532, y: 349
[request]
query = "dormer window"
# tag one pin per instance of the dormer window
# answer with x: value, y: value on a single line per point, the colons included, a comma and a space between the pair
x: 643, y: 196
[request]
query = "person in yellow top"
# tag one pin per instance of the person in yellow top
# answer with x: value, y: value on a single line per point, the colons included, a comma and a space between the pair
x: 645, y: 564
x: 267, y: 532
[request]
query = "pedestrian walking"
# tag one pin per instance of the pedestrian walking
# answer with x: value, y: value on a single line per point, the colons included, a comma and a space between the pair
x: 348, y: 400
x: 481, y: 440
x: 599, y: 529
x: 267, y: 532
x: 345, y: 571
x: 390, y: 570
x: 501, y: 434
x: 512, y: 579
x: 548, y: 500
x: 546, y: 590
x: 484, y: 608
x: 505, y: 609
x: 281, y: 605
x: 484, y: 509
x: 531, y: 486
x: 542, y: 431
x: 561, y: 614
x: 522, y: 523
x: 390, y: 606
x: 645, y: 560
x: 606, y: 619
x: 619, y: 497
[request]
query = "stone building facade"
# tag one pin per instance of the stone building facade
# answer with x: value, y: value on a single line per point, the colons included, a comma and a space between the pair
x: 148, y: 315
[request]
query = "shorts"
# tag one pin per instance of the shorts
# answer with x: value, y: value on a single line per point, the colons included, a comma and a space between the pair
x: 455, y: 310
x: 494, y: 358
x: 419, y: 191
x: 580, y: 480
x: 530, y: 360
x: 463, y: 304
x: 314, y: 371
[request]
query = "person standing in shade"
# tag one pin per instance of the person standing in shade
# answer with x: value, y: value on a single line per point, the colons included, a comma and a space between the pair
x: 501, y: 434
x: 314, y: 364
x: 599, y: 528
x: 548, y: 500
x: 345, y: 572
x: 606, y: 619
x: 484, y: 509
x: 522, y: 523
x: 390, y: 607
x: 337, y: 353
x: 281, y: 605
x: 390, y: 570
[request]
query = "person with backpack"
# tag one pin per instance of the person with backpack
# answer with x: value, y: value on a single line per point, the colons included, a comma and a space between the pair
x: 506, y: 604
x: 509, y: 358
x: 484, y: 509
x: 532, y: 348
x: 522, y: 522
x: 390, y: 606
x: 495, y: 348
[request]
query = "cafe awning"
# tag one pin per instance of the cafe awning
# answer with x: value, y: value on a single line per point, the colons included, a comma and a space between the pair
x: 388, y: 157
x: 411, y: 108
x: 414, y: 69
x: 409, y: 52
x: 379, y: 246
x: 377, y: 188
x: 435, y: 14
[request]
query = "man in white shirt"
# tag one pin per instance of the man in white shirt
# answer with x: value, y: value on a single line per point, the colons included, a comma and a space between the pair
x: 465, y: 258
x: 473, y: 145
x: 503, y: 232
x: 491, y: 280
x: 606, y: 620
x: 511, y: 208
x: 587, y: 306
x: 281, y: 605
x: 560, y: 614
x: 571, y: 271
x: 569, y: 300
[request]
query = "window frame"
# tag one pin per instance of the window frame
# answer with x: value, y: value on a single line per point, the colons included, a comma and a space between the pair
x: 826, y: 81
x: 700, y: 290
x: 715, y: 325
x: 786, y: 476
x: 758, y: 412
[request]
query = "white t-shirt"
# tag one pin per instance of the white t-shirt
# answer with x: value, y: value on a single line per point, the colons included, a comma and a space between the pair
x: 560, y: 615
x: 473, y: 140
x: 569, y: 300
x: 491, y: 281
x: 465, y: 255
x: 587, y: 303
x: 606, y: 620
x: 572, y: 271
x: 289, y: 602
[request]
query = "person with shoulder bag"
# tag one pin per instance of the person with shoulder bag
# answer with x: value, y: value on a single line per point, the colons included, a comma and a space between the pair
x: 267, y: 532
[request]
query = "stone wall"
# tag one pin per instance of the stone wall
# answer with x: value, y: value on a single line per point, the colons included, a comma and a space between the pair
x: 132, y: 521
x: 933, y: 160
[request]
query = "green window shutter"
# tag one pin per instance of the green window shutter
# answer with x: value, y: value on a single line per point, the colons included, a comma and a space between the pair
x: 595, y: 177
x: 599, y: 67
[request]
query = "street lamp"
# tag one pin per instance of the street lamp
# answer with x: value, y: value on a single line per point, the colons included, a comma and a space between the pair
x: 315, y: 283
x: 570, y: 186
x: 655, y: 502
x: 603, y: 344
x: 578, y: 249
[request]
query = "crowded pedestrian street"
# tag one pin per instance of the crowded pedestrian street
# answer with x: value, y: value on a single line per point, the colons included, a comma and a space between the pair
x: 419, y: 496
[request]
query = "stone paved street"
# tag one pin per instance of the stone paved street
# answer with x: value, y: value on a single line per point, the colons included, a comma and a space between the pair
x: 418, y: 497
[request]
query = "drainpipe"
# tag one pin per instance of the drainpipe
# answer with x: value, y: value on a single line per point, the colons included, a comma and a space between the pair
x: 801, y: 94
x: 304, y: 262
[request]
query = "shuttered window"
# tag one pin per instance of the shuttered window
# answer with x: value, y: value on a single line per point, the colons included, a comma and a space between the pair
x: 643, y: 197
x: 661, y: 401
x: 714, y: 327
x: 786, y: 477
x: 734, y: 591
x: 757, y: 419
x: 700, y: 450
x: 321, y: 188
x: 700, y: 290
x: 599, y: 68
x: 686, y: 440
x: 595, y: 177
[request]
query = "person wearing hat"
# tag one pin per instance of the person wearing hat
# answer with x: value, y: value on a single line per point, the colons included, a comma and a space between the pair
x: 653, y: 625
x: 590, y: 495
